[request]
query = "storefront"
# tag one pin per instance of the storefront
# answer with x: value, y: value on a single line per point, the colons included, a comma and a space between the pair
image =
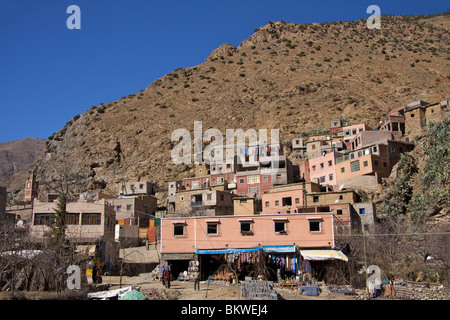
x: 315, y: 263
x: 282, y: 262
x: 229, y: 264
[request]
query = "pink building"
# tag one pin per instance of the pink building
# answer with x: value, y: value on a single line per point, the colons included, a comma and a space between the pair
x: 189, y: 234
x: 207, y: 238
x: 323, y: 169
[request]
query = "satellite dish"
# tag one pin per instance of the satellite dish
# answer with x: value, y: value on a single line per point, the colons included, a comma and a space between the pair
x: 336, y: 201
x: 342, y: 186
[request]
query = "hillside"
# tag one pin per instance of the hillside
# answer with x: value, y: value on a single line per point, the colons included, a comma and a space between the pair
x: 19, y: 155
x: 292, y: 77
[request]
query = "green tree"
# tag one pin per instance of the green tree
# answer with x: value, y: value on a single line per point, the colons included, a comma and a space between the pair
x: 56, y: 235
x: 400, y: 193
x: 435, y: 176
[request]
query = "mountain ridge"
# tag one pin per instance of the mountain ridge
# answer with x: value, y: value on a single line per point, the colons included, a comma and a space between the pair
x: 286, y: 76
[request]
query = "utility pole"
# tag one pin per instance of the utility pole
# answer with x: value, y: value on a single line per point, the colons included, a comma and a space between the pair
x: 365, y: 262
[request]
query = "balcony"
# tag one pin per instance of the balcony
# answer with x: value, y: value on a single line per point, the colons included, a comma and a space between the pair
x: 196, y: 203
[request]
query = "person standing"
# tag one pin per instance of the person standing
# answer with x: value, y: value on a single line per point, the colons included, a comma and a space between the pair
x: 166, y: 277
x: 196, y: 277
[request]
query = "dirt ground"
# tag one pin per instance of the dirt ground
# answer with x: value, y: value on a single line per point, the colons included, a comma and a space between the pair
x: 184, y: 290
x: 179, y: 290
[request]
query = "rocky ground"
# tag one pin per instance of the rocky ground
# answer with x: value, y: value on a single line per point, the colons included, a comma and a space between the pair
x: 184, y: 290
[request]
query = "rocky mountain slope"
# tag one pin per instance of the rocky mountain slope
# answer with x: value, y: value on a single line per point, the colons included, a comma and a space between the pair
x: 286, y: 76
x: 19, y: 155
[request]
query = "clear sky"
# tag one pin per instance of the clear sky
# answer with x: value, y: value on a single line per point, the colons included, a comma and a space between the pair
x: 48, y: 73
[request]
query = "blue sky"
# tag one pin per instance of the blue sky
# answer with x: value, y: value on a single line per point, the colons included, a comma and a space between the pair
x: 48, y: 73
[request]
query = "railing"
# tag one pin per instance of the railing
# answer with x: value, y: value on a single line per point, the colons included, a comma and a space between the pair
x: 196, y: 203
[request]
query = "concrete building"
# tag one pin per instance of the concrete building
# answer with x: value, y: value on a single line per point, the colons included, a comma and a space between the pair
x: 186, y: 238
x: 323, y: 169
x: 136, y: 188
x: 246, y: 205
x: 31, y: 188
x: 366, y: 166
x: 87, y: 222
x: 203, y: 202
x: 351, y: 131
x: 134, y: 210
x: 419, y: 113
x: 287, y: 198
x: 369, y: 137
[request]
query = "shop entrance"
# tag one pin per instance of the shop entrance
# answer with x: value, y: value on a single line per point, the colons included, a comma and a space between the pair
x: 177, y: 267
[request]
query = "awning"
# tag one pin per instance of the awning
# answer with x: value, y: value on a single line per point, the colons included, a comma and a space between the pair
x: 280, y: 249
x: 322, y: 255
x: 227, y: 251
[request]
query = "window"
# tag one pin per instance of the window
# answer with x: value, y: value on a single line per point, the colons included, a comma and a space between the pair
x: 242, y: 201
x: 330, y: 163
x: 314, y: 226
x: 277, y: 203
x: 91, y: 219
x: 315, y: 198
x: 279, y: 176
x: 267, y: 204
x: 330, y: 177
x: 313, y: 146
x: 128, y: 207
x: 384, y: 164
x: 280, y: 226
x: 375, y: 162
x: 252, y: 179
x: 339, y: 212
x: 366, y: 163
x: 266, y: 179
x: 72, y: 218
x: 354, y: 166
x: 209, y: 196
x: 287, y: 201
x: 245, y: 227
x: 341, y: 197
x: 321, y: 165
x: 313, y: 168
x: 178, y: 229
x: 212, y: 228
x: 342, y: 170
x: 362, y: 211
x: 118, y: 208
x: 42, y: 219
x: 241, y: 181
x: 297, y: 200
x: 322, y: 179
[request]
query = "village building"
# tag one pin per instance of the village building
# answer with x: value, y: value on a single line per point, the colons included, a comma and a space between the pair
x: 31, y: 188
x: 246, y: 206
x: 208, y: 239
x: 211, y: 201
x: 88, y: 223
x: 364, y: 167
x: 419, y: 114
